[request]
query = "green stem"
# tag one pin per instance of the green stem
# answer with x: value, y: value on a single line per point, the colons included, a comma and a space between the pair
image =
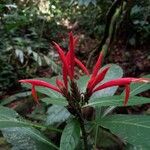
x: 95, y: 140
x: 84, y: 134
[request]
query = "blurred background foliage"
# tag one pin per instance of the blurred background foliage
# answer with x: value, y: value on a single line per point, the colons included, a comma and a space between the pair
x: 27, y: 28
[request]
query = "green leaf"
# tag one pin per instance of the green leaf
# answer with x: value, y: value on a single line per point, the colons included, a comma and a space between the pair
x: 56, y: 114
x: 86, y: 2
x: 53, y: 100
x: 8, y: 112
x: 82, y: 83
x: 37, y: 58
x: 114, y: 72
x: 9, y: 118
x: 20, y: 55
x: 56, y: 68
x: 27, y: 138
x: 10, y: 121
x: 48, y: 92
x: 117, y: 101
x: 135, y: 147
x: 18, y: 141
x: 134, y: 129
x: 14, y: 97
x: 70, y: 136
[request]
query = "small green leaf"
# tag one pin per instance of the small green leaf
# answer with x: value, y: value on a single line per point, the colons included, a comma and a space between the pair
x: 8, y: 112
x: 56, y: 68
x: 82, y: 83
x: 14, y: 97
x: 70, y: 136
x: 56, y: 114
x: 117, y: 101
x: 134, y: 129
x: 20, y: 55
x: 53, y: 100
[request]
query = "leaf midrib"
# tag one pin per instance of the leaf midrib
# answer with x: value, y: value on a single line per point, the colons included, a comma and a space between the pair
x: 129, y: 123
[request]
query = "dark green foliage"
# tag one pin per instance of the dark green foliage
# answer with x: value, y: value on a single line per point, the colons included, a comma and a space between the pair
x: 24, y: 46
x: 140, y: 17
x: 26, y: 31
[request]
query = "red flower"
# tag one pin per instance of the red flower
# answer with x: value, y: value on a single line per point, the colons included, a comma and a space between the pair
x: 96, y: 78
x: 68, y: 63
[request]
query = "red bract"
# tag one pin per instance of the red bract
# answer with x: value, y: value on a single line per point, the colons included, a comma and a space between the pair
x: 60, y: 84
x: 127, y: 94
x: 79, y: 63
x: 36, y: 82
x: 95, y: 71
x: 66, y: 70
x: 64, y: 73
x: 95, y: 80
x: 34, y: 94
x: 97, y: 65
x: 121, y: 82
x: 71, y: 56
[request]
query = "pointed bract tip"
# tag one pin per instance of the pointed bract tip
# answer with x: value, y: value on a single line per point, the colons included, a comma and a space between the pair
x: 127, y: 94
x: 97, y: 65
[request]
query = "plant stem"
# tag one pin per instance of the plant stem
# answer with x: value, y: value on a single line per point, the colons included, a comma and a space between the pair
x: 95, y: 140
x: 84, y: 134
x: 75, y: 109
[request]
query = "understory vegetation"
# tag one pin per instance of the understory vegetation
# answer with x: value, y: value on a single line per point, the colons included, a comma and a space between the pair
x: 119, y: 30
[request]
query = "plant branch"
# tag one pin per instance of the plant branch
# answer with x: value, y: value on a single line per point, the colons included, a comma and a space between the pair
x: 109, y: 17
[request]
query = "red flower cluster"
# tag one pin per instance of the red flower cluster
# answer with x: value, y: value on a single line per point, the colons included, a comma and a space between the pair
x: 68, y: 63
